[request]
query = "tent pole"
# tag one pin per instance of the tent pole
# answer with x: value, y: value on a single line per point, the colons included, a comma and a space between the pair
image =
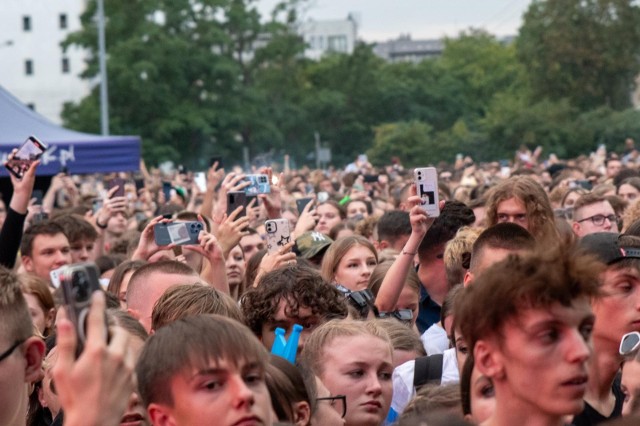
x: 104, y: 97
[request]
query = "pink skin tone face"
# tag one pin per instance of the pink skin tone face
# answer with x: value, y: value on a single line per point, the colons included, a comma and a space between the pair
x: 328, y: 217
x: 355, y: 268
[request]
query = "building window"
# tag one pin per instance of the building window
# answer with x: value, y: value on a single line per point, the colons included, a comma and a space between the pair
x: 31, y: 106
x: 26, y: 23
x: 337, y: 43
x: 63, y: 21
x: 28, y: 67
x: 65, y: 66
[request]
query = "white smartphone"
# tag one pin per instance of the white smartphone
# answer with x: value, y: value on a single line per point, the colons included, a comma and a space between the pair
x: 278, y: 234
x: 426, y: 179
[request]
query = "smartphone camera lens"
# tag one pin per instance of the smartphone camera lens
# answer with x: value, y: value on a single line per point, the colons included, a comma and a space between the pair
x: 80, y: 286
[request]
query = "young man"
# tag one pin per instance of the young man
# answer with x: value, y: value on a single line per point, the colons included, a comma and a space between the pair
x: 204, y: 370
x: 288, y: 296
x: 392, y: 230
x: 527, y: 321
x: 617, y: 313
x: 593, y: 213
x: 44, y: 247
x: 21, y: 352
x: 81, y: 234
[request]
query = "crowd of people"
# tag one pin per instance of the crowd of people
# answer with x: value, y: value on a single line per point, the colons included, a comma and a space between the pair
x: 518, y: 304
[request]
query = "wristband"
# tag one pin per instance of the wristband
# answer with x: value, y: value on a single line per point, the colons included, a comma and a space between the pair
x: 101, y: 226
x: 409, y: 253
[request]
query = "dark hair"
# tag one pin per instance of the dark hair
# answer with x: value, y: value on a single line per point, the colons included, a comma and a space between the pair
x: 251, y: 270
x: 531, y: 280
x: 286, y: 387
x: 108, y: 262
x: 465, y: 384
x: 453, y: 216
x: 186, y: 300
x: 76, y: 227
x: 333, y: 203
x: 634, y: 229
x: 130, y: 324
x: 42, y: 228
x: 505, y: 236
x: 300, y: 286
x: 119, y: 272
x: 192, y: 342
x: 433, y: 398
x: 393, y: 225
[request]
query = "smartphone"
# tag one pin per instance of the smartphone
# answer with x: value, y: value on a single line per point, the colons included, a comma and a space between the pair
x: 426, y: 179
x: 370, y: 178
x: 301, y: 203
x: 201, y: 180
x: 30, y: 151
x: 38, y: 195
x: 166, y: 190
x: 216, y: 159
x: 259, y: 184
x: 181, y: 233
x: 119, y: 183
x: 139, y: 182
x: 78, y: 283
x: 278, y: 234
x: 234, y: 200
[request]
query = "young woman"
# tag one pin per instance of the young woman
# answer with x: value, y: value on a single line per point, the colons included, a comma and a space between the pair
x: 350, y: 262
x: 40, y: 301
x: 329, y: 214
x: 355, y: 359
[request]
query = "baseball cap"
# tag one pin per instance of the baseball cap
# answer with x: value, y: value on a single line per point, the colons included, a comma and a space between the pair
x: 312, y: 243
x: 606, y: 246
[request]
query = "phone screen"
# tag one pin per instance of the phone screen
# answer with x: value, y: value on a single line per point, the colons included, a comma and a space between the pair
x: 30, y: 151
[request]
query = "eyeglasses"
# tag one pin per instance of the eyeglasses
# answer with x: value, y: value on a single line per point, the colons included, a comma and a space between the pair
x: 338, y: 402
x: 9, y: 351
x: 404, y: 315
x: 629, y: 343
x: 598, y: 220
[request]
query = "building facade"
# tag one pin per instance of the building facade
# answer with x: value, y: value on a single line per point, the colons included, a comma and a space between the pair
x: 326, y: 36
x: 33, y: 65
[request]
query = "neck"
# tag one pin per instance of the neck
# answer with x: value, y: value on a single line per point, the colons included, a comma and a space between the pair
x: 437, y: 290
x: 19, y: 411
x: 518, y: 413
x: 603, y: 368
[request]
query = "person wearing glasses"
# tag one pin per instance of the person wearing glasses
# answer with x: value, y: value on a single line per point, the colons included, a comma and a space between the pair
x: 617, y: 310
x: 630, y: 380
x: 593, y: 213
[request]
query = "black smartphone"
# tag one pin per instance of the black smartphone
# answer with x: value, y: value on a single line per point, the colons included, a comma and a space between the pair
x: 216, y: 159
x: 38, y: 195
x: 370, y: 178
x: 181, y: 233
x: 30, y: 151
x: 78, y: 283
x: 139, y: 184
x: 234, y: 200
x: 301, y: 203
x: 119, y: 183
x: 166, y: 189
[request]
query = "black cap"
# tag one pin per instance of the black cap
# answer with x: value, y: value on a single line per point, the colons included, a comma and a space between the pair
x: 606, y: 246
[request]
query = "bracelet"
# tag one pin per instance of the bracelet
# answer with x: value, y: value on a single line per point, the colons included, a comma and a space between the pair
x: 101, y: 226
x: 409, y: 253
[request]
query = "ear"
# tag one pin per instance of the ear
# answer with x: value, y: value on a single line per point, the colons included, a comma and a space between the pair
x: 50, y: 318
x: 301, y: 413
x: 160, y: 415
x: 468, y: 278
x: 576, y: 228
x: 382, y: 245
x: 27, y: 263
x: 33, y: 350
x: 488, y: 360
x: 134, y: 313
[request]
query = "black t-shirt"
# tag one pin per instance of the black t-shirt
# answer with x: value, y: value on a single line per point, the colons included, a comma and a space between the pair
x: 590, y: 416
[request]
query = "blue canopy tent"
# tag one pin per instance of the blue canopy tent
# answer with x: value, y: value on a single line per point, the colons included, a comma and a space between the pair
x: 80, y: 153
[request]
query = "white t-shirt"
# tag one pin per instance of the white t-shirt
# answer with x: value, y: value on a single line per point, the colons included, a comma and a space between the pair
x: 403, y: 390
x: 435, y: 340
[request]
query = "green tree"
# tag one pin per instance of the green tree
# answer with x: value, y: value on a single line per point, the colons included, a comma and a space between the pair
x: 587, y: 51
x: 413, y: 142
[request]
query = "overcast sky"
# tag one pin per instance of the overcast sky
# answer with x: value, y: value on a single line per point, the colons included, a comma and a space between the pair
x: 386, y: 19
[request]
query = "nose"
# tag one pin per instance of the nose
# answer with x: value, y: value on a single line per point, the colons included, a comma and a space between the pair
x: 242, y: 396
x: 578, y: 350
x: 374, y: 387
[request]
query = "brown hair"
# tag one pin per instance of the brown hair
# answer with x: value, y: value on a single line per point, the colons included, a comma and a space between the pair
x: 402, y: 337
x: 16, y: 322
x: 185, y: 300
x: 531, y: 194
x: 42, y: 228
x: 338, y: 250
x: 586, y: 200
x: 532, y: 280
x: 286, y: 387
x: 505, y: 236
x: 192, y: 342
x: 140, y: 278
x: 76, y: 227
x: 433, y: 398
x: 321, y: 337
x: 380, y: 271
x: 36, y: 286
x: 115, y: 283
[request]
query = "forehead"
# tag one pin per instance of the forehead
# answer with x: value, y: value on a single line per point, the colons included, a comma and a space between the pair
x: 360, y: 348
x: 528, y: 319
x: 358, y: 250
x: 511, y: 205
x: 42, y: 241
x: 251, y: 239
x: 627, y: 187
x: 601, y: 207
x: 615, y: 272
x: 357, y: 205
x: 327, y: 208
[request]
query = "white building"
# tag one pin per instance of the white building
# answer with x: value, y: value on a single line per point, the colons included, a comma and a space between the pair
x: 329, y: 36
x: 33, y: 66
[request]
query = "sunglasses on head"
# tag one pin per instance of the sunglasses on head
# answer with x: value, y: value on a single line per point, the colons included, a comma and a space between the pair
x: 629, y: 343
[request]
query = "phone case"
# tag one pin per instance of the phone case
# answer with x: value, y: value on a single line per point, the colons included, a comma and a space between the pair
x: 301, y: 203
x: 259, y: 184
x: 234, y: 200
x: 278, y: 234
x: 426, y: 179
x: 30, y: 151
x: 181, y: 233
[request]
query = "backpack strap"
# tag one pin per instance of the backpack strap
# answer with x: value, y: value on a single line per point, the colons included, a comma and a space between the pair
x: 428, y: 369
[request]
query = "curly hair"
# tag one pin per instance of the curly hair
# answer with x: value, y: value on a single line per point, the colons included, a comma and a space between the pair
x: 536, y: 202
x: 301, y: 287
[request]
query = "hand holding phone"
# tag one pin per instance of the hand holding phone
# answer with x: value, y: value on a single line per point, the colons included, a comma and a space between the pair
x: 30, y: 151
x: 180, y: 233
x: 426, y: 180
x: 278, y: 234
x: 120, y: 184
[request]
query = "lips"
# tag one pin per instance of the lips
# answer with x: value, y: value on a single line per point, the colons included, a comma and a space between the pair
x: 249, y: 421
x: 372, y: 405
x: 131, y: 420
x: 578, y: 382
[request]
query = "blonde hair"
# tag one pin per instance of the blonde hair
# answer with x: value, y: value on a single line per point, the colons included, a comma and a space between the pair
x: 457, y: 254
x: 380, y: 271
x: 314, y: 347
x: 402, y: 337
